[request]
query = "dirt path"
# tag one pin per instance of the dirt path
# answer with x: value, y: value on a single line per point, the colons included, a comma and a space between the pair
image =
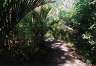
x: 60, y: 55
x: 64, y: 55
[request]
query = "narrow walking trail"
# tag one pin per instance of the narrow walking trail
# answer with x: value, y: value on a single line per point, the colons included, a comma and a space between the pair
x: 64, y: 55
x: 61, y: 54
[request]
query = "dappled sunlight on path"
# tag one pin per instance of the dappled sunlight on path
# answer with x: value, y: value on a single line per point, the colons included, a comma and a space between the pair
x: 64, y: 55
x: 59, y: 54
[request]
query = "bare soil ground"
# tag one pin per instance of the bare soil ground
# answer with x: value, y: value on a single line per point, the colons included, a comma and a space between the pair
x: 61, y: 54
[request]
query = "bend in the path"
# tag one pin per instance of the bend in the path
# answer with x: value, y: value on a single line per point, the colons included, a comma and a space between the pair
x: 63, y: 55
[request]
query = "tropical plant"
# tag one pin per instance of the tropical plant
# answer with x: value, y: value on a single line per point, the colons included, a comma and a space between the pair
x: 84, y: 23
x: 11, y: 12
x: 29, y: 37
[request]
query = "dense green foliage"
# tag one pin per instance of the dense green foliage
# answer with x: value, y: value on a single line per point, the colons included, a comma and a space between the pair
x: 86, y: 19
x: 25, y: 31
x: 11, y: 12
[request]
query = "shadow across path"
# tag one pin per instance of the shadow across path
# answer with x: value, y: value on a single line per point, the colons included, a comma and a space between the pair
x: 59, y: 54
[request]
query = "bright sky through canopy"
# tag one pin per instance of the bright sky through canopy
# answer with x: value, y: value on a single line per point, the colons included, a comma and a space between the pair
x: 61, y: 5
x: 64, y: 4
